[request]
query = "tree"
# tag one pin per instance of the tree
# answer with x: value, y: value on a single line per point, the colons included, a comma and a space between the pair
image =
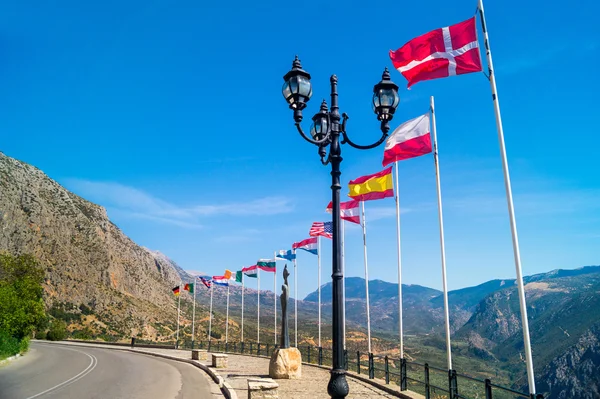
x: 21, y: 304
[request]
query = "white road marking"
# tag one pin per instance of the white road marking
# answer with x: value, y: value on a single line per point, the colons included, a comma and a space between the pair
x: 88, y: 369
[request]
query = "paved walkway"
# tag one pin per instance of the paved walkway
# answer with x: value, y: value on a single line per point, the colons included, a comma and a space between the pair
x: 313, y: 384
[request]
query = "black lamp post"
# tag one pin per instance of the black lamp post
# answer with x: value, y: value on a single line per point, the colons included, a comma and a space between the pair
x: 327, y: 127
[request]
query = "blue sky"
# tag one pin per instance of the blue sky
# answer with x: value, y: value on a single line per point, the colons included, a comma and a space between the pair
x: 170, y: 115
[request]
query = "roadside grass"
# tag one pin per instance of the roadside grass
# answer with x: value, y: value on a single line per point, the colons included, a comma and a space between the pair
x: 10, y: 346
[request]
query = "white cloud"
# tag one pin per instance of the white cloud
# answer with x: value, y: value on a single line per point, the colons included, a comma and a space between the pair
x: 126, y: 201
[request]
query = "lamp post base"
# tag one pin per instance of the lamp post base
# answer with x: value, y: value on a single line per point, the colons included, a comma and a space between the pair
x: 338, y: 386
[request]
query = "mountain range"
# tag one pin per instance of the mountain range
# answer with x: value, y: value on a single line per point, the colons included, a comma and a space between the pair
x: 106, y: 286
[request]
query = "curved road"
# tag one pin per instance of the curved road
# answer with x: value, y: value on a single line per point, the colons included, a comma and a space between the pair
x: 50, y: 371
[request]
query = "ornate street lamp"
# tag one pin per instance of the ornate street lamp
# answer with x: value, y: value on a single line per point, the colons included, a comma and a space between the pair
x: 327, y: 127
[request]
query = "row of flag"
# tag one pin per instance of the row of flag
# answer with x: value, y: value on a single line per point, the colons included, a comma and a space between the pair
x: 443, y: 52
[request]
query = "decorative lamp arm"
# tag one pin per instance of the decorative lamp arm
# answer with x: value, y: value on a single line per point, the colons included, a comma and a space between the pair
x: 315, y: 142
x: 363, y: 147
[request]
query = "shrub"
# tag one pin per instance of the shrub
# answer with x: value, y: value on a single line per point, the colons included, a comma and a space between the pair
x: 86, y: 333
x: 57, y: 331
x: 10, y: 346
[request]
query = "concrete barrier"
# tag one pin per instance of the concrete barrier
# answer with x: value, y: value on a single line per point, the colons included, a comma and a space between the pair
x: 262, y: 388
x: 199, y: 354
x: 219, y: 360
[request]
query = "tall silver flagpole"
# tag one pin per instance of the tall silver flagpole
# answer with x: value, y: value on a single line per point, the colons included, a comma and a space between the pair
x: 295, y: 298
x: 194, y: 312
x: 343, y: 282
x: 212, y: 285
x: 319, y: 282
x: 364, y: 229
x: 242, y: 306
x: 258, y: 305
x: 275, y: 298
x: 178, y: 307
x: 227, y: 316
x: 511, y: 210
x: 442, y: 241
x: 400, y: 321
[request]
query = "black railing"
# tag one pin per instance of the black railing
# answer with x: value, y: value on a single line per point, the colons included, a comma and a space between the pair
x: 430, y: 381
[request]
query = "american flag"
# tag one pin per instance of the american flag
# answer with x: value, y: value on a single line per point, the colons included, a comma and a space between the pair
x: 324, y: 229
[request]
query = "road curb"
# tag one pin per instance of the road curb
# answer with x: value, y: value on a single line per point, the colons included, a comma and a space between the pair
x: 226, y: 389
x: 10, y: 359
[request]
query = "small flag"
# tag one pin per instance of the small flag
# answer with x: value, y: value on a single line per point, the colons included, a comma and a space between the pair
x: 324, y: 229
x: 221, y: 280
x: 227, y: 274
x: 309, y: 245
x: 443, y: 52
x: 250, y: 271
x: 348, y: 210
x: 410, y: 139
x: 239, y: 276
x: 286, y: 255
x: 266, y: 265
x: 372, y: 187
x: 189, y: 287
x: 176, y: 291
x: 206, y: 281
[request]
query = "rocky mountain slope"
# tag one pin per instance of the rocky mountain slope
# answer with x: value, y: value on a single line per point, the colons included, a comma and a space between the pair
x: 89, y: 262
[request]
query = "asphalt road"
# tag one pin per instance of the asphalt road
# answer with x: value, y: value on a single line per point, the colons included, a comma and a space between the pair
x: 50, y: 371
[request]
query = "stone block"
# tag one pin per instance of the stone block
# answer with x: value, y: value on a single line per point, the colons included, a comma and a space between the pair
x: 219, y: 360
x: 199, y: 354
x: 286, y: 364
x: 262, y: 388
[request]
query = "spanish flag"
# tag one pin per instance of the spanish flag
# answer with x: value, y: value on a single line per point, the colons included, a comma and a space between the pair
x: 372, y: 187
x: 176, y: 291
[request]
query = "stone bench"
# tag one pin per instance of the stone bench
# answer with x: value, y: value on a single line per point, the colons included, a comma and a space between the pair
x: 262, y: 388
x: 199, y: 354
x: 219, y: 360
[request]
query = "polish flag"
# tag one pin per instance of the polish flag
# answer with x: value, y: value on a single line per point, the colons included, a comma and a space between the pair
x: 348, y: 210
x: 443, y: 52
x: 408, y: 140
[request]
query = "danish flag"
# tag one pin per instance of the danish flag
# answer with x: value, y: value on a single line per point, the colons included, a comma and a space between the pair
x: 449, y: 51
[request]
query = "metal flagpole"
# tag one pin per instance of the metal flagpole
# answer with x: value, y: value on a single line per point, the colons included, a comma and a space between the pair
x: 275, y: 298
x: 319, y: 282
x: 242, y: 306
x: 178, y: 307
x: 295, y: 298
x: 364, y: 229
x: 343, y: 282
x: 258, y: 305
x: 194, y: 314
x: 212, y: 285
x: 400, y: 321
x: 227, y: 316
x: 511, y: 210
x: 442, y: 242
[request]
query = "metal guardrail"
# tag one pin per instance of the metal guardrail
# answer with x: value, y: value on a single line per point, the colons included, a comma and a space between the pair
x: 421, y: 377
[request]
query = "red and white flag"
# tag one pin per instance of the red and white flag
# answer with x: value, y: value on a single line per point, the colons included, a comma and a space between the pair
x: 408, y: 140
x: 443, y: 52
x: 348, y: 211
